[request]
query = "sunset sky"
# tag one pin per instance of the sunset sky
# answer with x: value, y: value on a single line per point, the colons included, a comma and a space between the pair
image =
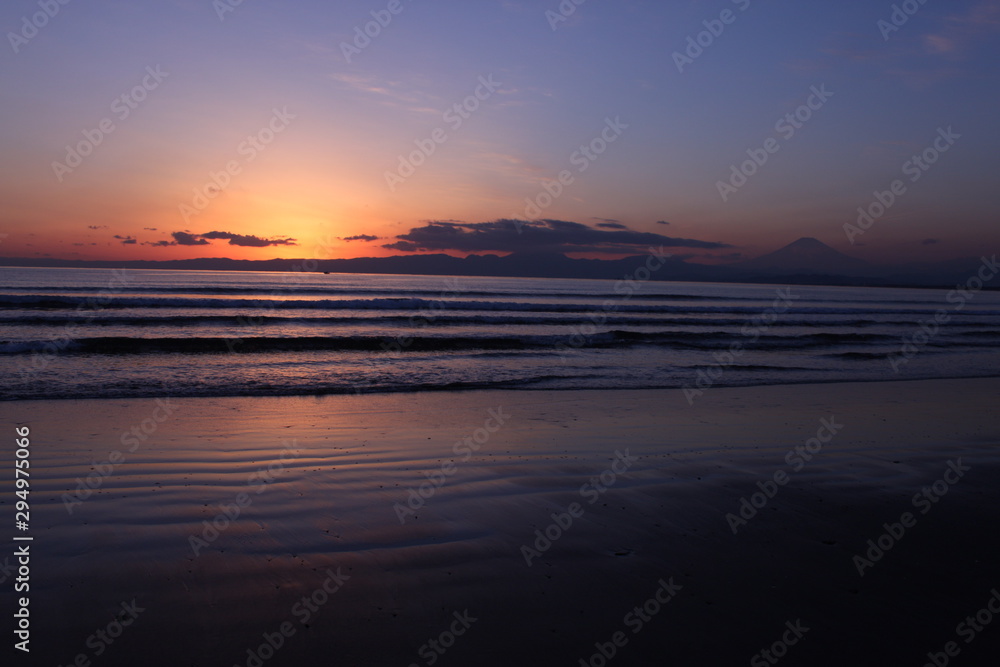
x: 309, y: 118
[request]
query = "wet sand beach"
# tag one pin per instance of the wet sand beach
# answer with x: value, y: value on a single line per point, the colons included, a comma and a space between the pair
x: 400, y: 529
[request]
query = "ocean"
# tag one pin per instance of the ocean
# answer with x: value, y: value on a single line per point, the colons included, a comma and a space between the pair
x: 95, y: 333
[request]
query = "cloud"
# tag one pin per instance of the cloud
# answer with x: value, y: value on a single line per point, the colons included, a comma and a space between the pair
x: 662, y: 222
x: 126, y: 240
x: 96, y: 227
x: 535, y: 236
x: 961, y: 31
x: 605, y: 219
x: 611, y: 225
x: 245, y: 240
x: 183, y: 238
x: 938, y: 44
x: 150, y: 229
x: 361, y: 237
x: 391, y: 93
x: 248, y: 241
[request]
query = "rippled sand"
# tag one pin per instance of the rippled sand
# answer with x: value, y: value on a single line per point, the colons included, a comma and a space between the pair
x: 330, y: 513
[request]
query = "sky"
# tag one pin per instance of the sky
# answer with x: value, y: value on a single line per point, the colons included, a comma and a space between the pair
x: 720, y: 129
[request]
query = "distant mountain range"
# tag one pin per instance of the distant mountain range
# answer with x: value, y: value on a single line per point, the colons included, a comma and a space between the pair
x: 806, y: 261
x: 807, y: 255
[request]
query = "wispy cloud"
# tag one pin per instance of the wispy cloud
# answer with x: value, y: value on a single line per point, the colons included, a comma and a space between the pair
x: 938, y: 44
x: 391, y: 93
x: 958, y: 32
x: 510, y: 167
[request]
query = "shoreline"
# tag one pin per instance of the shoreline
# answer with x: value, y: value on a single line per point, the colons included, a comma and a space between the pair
x: 499, y: 388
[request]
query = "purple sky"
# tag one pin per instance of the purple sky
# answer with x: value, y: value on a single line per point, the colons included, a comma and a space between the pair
x: 191, y: 128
